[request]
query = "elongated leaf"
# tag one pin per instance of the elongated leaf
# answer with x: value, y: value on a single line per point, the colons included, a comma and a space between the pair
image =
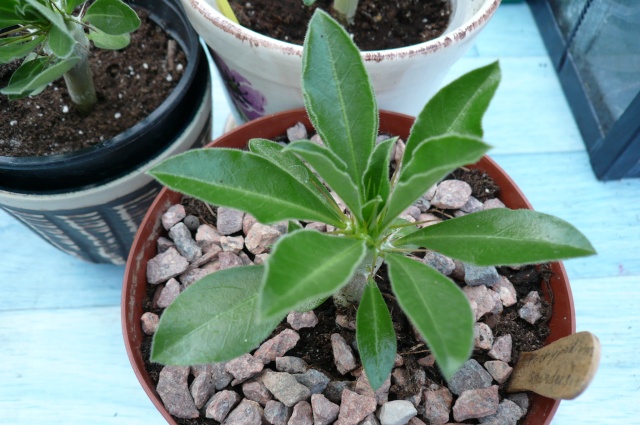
x: 9, y: 15
x: 305, y: 266
x: 213, y: 320
x: 290, y: 163
x: 72, y: 4
x: 342, y: 108
x: 437, y: 308
x: 112, y: 17
x: 244, y: 181
x: 376, y: 177
x: 432, y: 160
x: 17, y: 47
x: 457, y: 108
x: 332, y: 170
x: 25, y: 73
x: 54, y: 17
x: 36, y: 76
x: 375, y: 335
x: 226, y: 10
x: 370, y: 212
x: 109, y: 42
x: 293, y: 226
x: 503, y: 237
x: 61, y: 43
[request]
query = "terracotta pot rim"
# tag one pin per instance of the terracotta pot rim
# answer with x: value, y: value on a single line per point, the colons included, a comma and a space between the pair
x: 450, y: 36
x: 543, y: 407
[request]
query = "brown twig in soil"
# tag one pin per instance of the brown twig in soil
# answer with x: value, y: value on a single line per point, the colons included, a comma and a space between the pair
x: 437, y: 210
x: 406, y: 353
x: 210, y: 210
x: 389, y: 296
x: 171, y: 54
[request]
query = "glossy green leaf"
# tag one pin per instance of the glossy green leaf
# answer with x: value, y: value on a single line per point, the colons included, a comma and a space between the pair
x: 53, y: 17
x: 290, y: 163
x: 305, y: 266
x: 375, y: 335
x: 437, y: 307
x: 432, y: 160
x: 109, y: 42
x: 72, y: 4
x: 338, y: 94
x: 370, y: 211
x: 112, y: 17
x: 61, y: 42
x: 213, y: 320
x: 332, y: 170
x: 9, y: 15
x: 376, y: 177
x: 244, y: 181
x: 457, y: 108
x: 17, y: 47
x: 34, y: 75
x: 293, y: 226
x: 23, y: 75
x: 503, y: 237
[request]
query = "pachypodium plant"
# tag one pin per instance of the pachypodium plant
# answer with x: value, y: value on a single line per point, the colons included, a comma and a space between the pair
x: 346, y: 9
x: 52, y: 37
x: 230, y: 312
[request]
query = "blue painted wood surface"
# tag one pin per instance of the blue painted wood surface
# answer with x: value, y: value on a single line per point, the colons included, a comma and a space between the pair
x: 62, y: 357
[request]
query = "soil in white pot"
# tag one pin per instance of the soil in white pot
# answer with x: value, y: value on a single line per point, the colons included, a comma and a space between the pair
x: 378, y: 25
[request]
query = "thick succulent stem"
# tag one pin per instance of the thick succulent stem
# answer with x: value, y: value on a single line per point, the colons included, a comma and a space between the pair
x: 352, y: 292
x: 79, y: 79
x: 346, y: 10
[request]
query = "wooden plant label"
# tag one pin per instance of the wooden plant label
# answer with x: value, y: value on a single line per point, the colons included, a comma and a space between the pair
x: 561, y: 370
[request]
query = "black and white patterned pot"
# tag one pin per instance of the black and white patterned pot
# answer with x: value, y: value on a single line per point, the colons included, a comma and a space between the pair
x: 89, y: 203
x: 98, y: 223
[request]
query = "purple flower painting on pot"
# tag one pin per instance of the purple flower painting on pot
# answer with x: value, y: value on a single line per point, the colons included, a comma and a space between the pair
x: 249, y: 102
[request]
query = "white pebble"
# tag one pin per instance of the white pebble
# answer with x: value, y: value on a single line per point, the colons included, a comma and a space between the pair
x: 179, y: 67
x: 13, y: 122
x: 117, y: 115
x: 169, y: 77
x: 145, y: 65
x: 65, y: 109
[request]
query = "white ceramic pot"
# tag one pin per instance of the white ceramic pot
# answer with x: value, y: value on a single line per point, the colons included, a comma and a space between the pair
x: 262, y: 74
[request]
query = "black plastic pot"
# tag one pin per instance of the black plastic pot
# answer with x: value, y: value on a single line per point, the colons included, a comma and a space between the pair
x: 89, y: 203
x: 114, y: 157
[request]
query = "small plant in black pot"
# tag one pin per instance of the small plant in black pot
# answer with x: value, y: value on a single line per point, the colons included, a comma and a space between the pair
x: 231, y: 312
x: 73, y: 153
x: 53, y: 42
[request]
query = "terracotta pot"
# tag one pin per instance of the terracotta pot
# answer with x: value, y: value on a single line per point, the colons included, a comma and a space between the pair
x: 262, y: 74
x: 541, y: 409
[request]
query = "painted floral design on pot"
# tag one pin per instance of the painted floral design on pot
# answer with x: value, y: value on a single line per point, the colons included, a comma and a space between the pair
x: 249, y: 102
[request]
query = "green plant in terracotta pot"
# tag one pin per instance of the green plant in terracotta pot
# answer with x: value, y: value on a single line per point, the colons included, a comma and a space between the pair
x: 230, y: 312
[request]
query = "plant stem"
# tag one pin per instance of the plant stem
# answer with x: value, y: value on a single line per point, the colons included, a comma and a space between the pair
x: 79, y: 79
x: 352, y: 292
x: 346, y: 10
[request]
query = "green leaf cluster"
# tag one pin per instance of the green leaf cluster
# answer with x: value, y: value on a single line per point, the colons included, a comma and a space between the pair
x: 52, y: 36
x: 305, y: 267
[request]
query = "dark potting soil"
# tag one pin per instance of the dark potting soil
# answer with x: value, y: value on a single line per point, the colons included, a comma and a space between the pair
x: 314, y: 346
x: 378, y: 25
x: 131, y: 83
